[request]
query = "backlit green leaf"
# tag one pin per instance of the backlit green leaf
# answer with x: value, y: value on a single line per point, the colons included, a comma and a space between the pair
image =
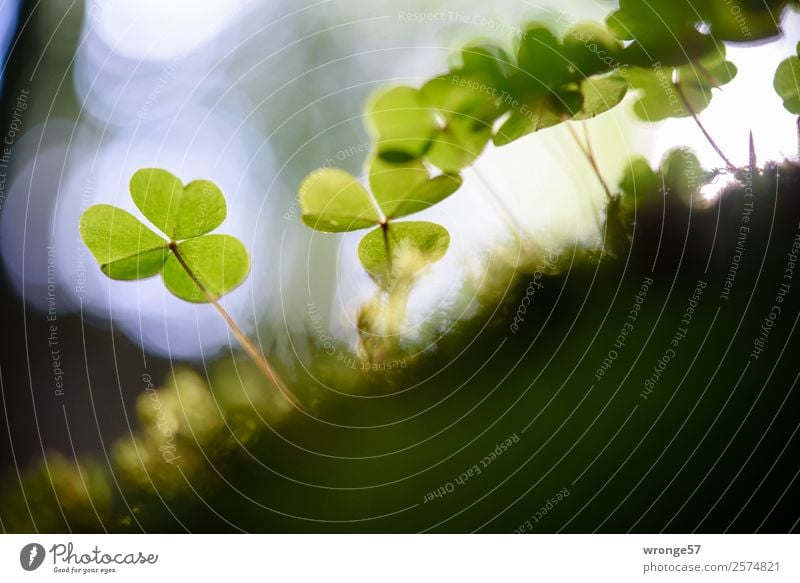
x: 433, y: 191
x: 516, y: 126
x: 405, y: 188
x: 179, y: 212
x: 743, y: 21
x: 662, y: 33
x: 591, y: 48
x: 542, y: 57
x: 219, y: 262
x: 601, y: 94
x: 121, y: 244
x: 787, y: 84
x: 660, y: 98
x: 468, y: 107
x: 412, y: 246
x: 391, y: 182
x: 403, y: 123
x: 544, y: 112
x: 459, y: 144
x: 334, y: 201
x: 485, y: 62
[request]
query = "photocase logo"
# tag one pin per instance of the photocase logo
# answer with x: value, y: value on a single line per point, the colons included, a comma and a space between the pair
x: 31, y: 556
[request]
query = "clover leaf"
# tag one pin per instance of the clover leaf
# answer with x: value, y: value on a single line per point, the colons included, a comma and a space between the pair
x: 787, y: 82
x: 195, y: 266
x: 403, y: 123
x: 177, y: 211
x: 219, y: 262
x: 748, y: 22
x: 541, y: 56
x: 403, y: 249
x: 659, y: 32
x: 601, y: 94
x: 405, y: 188
x: 680, y: 31
x: 591, y: 48
x: 562, y: 79
x: 334, y: 201
x: 124, y: 247
x: 679, y: 91
x: 448, y: 121
x: 467, y: 106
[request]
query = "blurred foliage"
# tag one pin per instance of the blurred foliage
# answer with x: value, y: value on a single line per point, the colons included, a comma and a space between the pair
x: 490, y: 95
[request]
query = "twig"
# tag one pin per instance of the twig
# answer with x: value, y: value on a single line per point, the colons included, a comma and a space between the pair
x: 254, y: 354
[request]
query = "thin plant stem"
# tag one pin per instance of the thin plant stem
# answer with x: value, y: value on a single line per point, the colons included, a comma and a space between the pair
x: 708, y: 75
x: 708, y: 137
x: 254, y: 354
x: 589, y: 153
x: 385, y: 229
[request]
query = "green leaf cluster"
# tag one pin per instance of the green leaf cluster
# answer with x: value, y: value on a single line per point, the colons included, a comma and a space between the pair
x: 681, y: 91
x: 195, y: 266
x: 678, y: 32
x: 334, y: 201
x: 671, y: 53
x: 491, y: 95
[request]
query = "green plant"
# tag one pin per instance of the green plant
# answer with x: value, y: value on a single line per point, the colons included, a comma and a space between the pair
x: 195, y: 266
x: 334, y: 201
x: 672, y: 54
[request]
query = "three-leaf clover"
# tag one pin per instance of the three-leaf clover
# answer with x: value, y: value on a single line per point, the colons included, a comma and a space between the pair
x: 559, y: 79
x: 334, y: 201
x: 448, y: 121
x: 195, y: 266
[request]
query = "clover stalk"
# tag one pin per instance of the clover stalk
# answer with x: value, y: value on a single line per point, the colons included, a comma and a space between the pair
x: 385, y: 230
x: 699, y: 124
x: 254, y: 354
x: 588, y: 152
